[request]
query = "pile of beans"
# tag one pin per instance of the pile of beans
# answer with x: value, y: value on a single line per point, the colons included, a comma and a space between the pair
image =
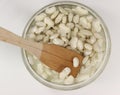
x: 73, y: 28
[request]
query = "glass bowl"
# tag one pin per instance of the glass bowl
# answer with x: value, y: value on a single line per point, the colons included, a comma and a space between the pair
x: 77, y: 85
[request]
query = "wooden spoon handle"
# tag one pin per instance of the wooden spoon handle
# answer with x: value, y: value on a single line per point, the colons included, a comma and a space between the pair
x: 12, y: 38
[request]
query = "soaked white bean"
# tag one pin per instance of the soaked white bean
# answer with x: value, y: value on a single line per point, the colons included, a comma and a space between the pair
x: 86, y: 32
x: 62, y: 10
x: 70, y: 17
x: 92, y: 40
x: 59, y: 18
x: 73, y: 42
x: 54, y: 36
x: 90, y: 18
x: 40, y: 17
x: 64, y: 73
x: 70, y: 25
x: 69, y: 80
x: 64, y: 19
x: 76, y: 19
x: 75, y: 62
x: 80, y: 45
x: 87, y: 52
x: 96, y: 26
x: 48, y: 21
x: 88, y: 46
x: 85, y: 59
x: 58, y: 41
x: 80, y: 11
x: 85, y: 23
x: 54, y: 15
x: 50, y: 10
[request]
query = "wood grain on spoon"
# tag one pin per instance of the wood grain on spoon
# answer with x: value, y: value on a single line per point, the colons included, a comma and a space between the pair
x: 55, y: 57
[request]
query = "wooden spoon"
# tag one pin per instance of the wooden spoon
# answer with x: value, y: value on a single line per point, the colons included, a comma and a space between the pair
x: 55, y: 57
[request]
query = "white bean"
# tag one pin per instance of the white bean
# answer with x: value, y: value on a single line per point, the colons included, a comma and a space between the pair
x: 74, y: 33
x: 54, y: 15
x: 69, y: 80
x: 62, y: 10
x: 62, y: 34
x: 31, y: 61
x: 55, y: 28
x: 41, y: 24
x: 68, y: 9
x: 76, y: 30
x: 98, y: 35
x: 40, y: 69
x: 94, y: 59
x: 87, y: 52
x: 50, y: 10
x: 59, y: 18
x: 40, y: 30
x: 40, y: 17
x: 92, y: 40
x: 48, y: 21
x: 64, y: 39
x: 75, y: 62
x: 81, y: 35
x: 49, y: 32
x: 80, y: 11
x: 86, y: 32
x: 88, y: 46
x: 90, y: 18
x: 80, y: 45
x: 76, y: 19
x: 57, y: 80
x: 99, y: 45
x: 82, y: 77
x: 88, y: 64
x: 64, y: 19
x: 96, y: 26
x: 66, y: 71
x: 85, y: 23
x: 85, y: 59
x: 84, y: 70
x: 92, y: 54
x: 70, y: 25
x: 58, y: 41
x: 64, y: 28
x: 73, y: 42
x: 62, y: 75
x: 70, y: 17
x: 79, y: 26
x: 54, y: 36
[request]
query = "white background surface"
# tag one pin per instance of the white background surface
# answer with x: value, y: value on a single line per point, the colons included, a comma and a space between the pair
x: 16, y: 80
